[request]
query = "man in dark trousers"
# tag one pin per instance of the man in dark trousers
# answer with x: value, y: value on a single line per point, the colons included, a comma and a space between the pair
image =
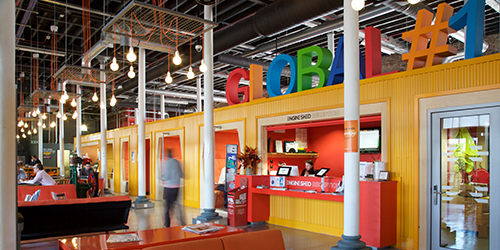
x: 171, y: 182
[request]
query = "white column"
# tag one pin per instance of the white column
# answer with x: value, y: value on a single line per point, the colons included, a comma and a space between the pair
x: 208, y: 128
x: 60, y: 157
x: 162, y: 108
x: 331, y: 44
x: 40, y: 138
x: 79, y: 122
x: 199, y: 108
x: 140, y: 121
x: 351, y: 109
x: 104, y: 122
x: 8, y: 200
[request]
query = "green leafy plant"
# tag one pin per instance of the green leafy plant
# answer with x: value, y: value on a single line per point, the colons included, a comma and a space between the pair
x: 464, y: 164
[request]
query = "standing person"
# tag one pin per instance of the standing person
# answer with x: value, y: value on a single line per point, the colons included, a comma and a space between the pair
x: 309, y: 170
x: 21, y: 174
x: 34, y: 160
x: 41, y: 177
x: 171, y: 182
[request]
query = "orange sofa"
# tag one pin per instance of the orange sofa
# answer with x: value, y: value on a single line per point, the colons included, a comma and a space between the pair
x: 271, y: 239
x: 46, y: 191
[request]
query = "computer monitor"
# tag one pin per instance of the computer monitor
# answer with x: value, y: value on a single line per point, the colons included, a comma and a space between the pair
x: 295, y: 170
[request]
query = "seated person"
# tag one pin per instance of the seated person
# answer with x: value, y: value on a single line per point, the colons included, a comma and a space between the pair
x: 41, y: 177
x: 221, y: 185
x: 309, y: 170
x: 34, y: 161
x: 86, y: 170
x: 21, y: 174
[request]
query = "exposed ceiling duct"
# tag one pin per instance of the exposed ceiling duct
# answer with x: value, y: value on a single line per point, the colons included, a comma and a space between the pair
x: 181, y: 95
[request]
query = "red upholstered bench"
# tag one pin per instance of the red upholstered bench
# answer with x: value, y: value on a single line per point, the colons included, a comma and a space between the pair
x: 46, y: 191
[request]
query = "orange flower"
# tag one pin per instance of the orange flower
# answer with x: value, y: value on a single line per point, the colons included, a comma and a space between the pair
x: 249, y: 157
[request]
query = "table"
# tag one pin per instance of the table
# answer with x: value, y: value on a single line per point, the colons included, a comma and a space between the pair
x: 151, y: 237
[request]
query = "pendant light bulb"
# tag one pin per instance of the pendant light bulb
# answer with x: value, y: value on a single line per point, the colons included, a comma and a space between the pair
x: 17, y: 136
x: 203, y: 66
x: 112, y: 102
x: 34, y: 113
x: 26, y: 125
x: 29, y: 132
x: 52, y: 124
x: 65, y: 96
x: 21, y: 123
x: 131, y: 73
x: 114, y: 66
x: 177, y: 59
x: 190, y: 74
x: 75, y: 115
x: 44, y: 116
x: 39, y: 124
x: 131, y: 57
x: 43, y: 125
x: 168, y: 78
x: 37, y: 111
x: 24, y: 136
x: 94, y: 97
x: 357, y: 5
x: 102, y: 105
x: 65, y: 118
x: 22, y: 129
x: 73, y: 103
x: 413, y: 1
x: 58, y: 115
x: 35, y: 131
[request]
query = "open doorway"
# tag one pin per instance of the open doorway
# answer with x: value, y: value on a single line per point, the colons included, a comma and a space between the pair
x: 165, y: 141
x: 222, y: 138
x: 124, y: 164
x: 108, y: 176
x: 148, y: 166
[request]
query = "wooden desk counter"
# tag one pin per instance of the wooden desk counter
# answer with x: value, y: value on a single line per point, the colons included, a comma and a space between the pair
x: 152, y: 237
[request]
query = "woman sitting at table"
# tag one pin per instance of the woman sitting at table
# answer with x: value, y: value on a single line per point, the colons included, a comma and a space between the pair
x: 41, y: 177
x: 309, y: 170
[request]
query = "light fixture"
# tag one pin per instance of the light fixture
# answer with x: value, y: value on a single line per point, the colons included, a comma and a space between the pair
x: 131, y: 57
x: 58, y: 115
x: 413, y: 1
x: 357, y: 5
x: 75, y: 115
x: 84, y: 127
x: 131, y: 73
x: 37, y: 111
x: 21, y: 123
x: 177, y: 59
x: 112, y: 102
x: 29, y: 132
x: 114, y: 66
x: 43, y: 125
x: 17, y: 136
x: 35, y: 131
x: 190, y: 74
x: 44, y: 116
x: 24, y: 136
x: 168, y: 78
x: 52, y: 124
x: 73, y: 103
x: 26, y: 125
x: 39, y: 124
x: 203, y: 66
x: 65, y: 118
x: 22, y: 129
x: 94, y: 97
x: 65, y: 95
x: 102, y: 105
x: 34, y: 113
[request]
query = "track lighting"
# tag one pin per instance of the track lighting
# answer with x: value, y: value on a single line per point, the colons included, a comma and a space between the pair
x: 94, y: 97
x: 114, y: 66
x: 131, y: 73
x: 131, y: 57
x: 177, y: 59
x: 190, y: 74
x: 203, y: 67
x: 168, y: 78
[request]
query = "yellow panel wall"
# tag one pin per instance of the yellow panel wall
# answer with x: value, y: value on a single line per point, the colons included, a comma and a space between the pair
x: 397, y: 89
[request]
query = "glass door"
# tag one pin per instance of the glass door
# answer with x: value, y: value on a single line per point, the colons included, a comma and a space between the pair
x: 464, y: 157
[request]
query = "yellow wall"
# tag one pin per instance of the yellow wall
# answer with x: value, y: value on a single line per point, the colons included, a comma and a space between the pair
x: 398, y: 90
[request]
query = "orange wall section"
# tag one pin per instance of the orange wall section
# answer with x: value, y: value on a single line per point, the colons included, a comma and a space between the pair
x: 397, y: 90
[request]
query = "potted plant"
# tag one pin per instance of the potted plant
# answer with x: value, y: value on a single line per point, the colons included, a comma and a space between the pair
x: 464, y: 164
x: 249, y: 159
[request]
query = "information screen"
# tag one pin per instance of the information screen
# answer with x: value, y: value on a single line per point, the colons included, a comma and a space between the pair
x: 369, y: 140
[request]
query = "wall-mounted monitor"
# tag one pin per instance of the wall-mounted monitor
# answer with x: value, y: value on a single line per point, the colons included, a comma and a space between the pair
x: 369, y: 140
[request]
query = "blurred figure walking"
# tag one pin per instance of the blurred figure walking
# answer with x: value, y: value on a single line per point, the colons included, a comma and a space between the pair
x: 171, y: 182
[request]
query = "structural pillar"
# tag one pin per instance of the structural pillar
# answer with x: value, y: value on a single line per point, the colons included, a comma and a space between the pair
x: 142, y: 201
x: 351, y: 237
x: 162, y: 108
x: 79, y: 121
x: 8, y: 199
x: 104, y: 160
x: 60, y: 157
x: 40, y: 138
x: 209, y: 213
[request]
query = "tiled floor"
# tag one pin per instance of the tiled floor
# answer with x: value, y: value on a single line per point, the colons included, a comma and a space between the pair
x: 141, y: 219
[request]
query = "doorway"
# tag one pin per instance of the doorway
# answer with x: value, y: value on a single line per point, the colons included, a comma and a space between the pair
x: 124, y: 164
x: 464, y: 155
x: 167, y: 141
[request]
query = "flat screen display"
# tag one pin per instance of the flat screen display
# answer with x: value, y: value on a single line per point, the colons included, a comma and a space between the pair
x: 369, y: 140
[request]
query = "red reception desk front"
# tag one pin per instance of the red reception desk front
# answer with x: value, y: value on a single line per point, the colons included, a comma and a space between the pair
x: 378, y: 208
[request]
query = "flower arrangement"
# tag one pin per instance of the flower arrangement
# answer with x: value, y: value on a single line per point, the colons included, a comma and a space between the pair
x: 248, y: 158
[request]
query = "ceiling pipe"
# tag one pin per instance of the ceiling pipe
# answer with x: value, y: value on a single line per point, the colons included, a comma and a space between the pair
x: 26, y: 17
x: 70, y: 6
x: 39, y: 50
x: 152, y: 107
x: 283, y: 14
x: 493, y: 4
x: 181, y: 95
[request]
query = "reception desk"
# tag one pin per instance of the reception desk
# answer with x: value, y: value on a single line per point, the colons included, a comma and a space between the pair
x: 378, y: 208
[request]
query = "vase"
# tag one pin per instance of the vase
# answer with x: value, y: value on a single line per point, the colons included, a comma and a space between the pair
x: 248, y: 171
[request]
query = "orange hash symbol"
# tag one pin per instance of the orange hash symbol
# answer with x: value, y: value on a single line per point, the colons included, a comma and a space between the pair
x: 420, y: 54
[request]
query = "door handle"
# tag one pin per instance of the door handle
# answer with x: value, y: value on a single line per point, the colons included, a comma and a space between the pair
x: 436, y: 193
